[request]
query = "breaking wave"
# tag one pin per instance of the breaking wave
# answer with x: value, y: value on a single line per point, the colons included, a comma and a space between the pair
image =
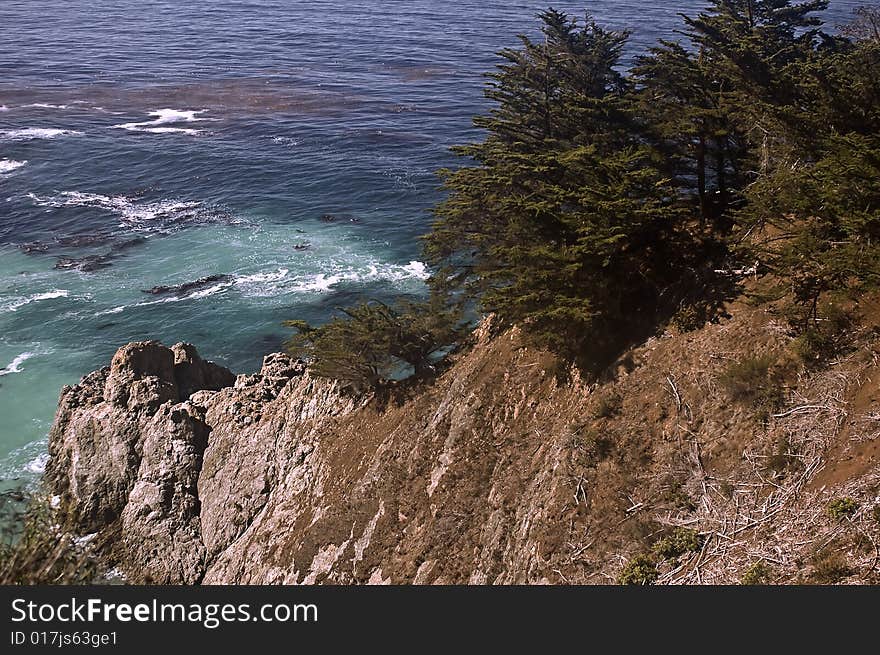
x: 28, y: 461
x: 46, y: 105
x: 29, y: 133
x: 9, y: 165
x: 281, y: 282
x: 15, y: 365
x: 152, y: 215
x: 16, y: 303
x: 165, y: 121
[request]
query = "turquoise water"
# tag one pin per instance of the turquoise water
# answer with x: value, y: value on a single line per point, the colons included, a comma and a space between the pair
x: 286, y: 151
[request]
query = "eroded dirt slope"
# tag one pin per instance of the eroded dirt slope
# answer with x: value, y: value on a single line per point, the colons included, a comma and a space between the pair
x: 501, y: 471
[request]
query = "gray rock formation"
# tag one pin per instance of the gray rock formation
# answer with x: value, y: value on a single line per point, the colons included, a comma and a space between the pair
x: 126, y: 450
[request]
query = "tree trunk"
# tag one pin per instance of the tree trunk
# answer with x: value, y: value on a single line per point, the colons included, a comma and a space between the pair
x: 701, y: 178
x: 721, y: 172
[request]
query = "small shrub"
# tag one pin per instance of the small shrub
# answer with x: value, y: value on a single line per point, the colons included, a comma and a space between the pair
x: 597, y: 447
x: 689, y: 318
x: 842, y: 508
x: 675, y: 494
x: 782, y: 458
x: 753, y: 382
x: 679, y: 542
x: 757, y: 574
x: 825, y: 337
x: 641, y: 570
x: 372, y: 343
x: 39, y: 553
x: 829, y: 568
x: 608, y: 406
x: 813, y: 346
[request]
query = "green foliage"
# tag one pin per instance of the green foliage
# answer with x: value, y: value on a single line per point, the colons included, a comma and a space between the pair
x: 689, y: 318
x: 34, y: 551
x: 679, y: 542
x: 640, y: 570
x: 602, y: 203
x: 373, y: 342
x: 842, y: 508
x: 824, y: 338
x: 754, y: 382
x: 757, y: 574
x: 714, y: 104
x: 564, y: 225
x: 822, y: 223
x: 576, y: 217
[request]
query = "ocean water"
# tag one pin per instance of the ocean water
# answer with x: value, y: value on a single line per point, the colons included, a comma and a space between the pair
x: 278, y: 155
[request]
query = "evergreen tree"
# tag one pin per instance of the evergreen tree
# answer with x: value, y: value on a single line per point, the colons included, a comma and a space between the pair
x: 817, y: 226
x: 599, y: 202
x: 725, y: 106
x: 372, y: 342
x: 564, y: 224
x: 813, y: 218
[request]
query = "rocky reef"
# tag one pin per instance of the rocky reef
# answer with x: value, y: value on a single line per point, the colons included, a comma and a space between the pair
x: 500, y: 471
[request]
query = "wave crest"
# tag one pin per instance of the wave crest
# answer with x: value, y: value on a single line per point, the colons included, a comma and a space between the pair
x: 160, y: 215
x: 16, y: 303
x: 165, y: 119
x: 29, y: 133
x: 9, y: 165
x: 15, y: 365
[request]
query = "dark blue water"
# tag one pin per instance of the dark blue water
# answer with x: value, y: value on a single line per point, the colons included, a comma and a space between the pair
x: 286, y: 148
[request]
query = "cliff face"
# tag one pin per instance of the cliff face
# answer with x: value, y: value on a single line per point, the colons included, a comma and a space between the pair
x: 498, y: 472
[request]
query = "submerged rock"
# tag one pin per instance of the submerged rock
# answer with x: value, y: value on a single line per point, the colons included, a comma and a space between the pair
x: 186, y: 287
x: 86, y: 264
x: 335, y: 218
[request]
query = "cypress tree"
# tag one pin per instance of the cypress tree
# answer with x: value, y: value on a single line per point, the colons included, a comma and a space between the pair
x: 563, y: 224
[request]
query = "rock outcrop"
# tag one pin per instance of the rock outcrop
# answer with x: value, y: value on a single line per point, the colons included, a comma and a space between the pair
x: 500, y: 471
x: 126, y: 450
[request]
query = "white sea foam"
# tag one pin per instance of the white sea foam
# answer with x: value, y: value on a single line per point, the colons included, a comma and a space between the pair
x: 4, y: 108
x: 168, y: 130
x: 37, y: 465
x: 280, y: 282
x: 45, y: 105
x: 132, y: 213
x: 28, y: 133
x: 114, y: 310
x: 9, y: 165
x: 165, y: 119
x: 195, y: 295
x: 15, y: 365
x: 15, y: 304
x: 28, y: 461
x: 285, y: 140
x: 257, y: 278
